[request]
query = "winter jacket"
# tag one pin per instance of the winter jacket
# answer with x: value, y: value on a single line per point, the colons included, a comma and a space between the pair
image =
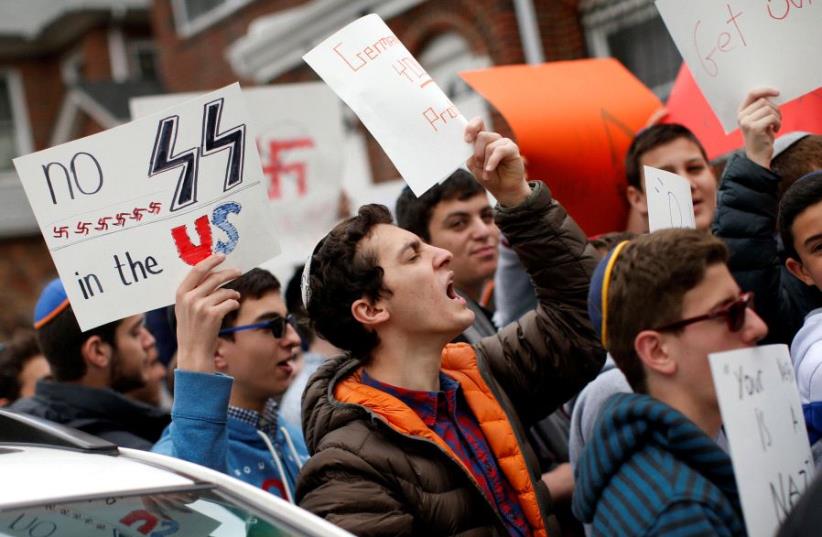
x: 746, y: 220
x: 201, y: 432
x: 649, y: 470
x: 98, y: 411
x: 377, y: 470
x: 806, y: 355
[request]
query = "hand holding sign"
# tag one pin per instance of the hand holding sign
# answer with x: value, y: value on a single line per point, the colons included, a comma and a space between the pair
x: 669, y: 199
x: 415, y: 123
x: 497, y: 164
x: 765, y: 426
x: 759, y: 121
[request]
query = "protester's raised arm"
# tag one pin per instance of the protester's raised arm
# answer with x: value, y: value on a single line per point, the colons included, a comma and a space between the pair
x: 759, y: 120
x: 497, y: 164
x: 200, y: 307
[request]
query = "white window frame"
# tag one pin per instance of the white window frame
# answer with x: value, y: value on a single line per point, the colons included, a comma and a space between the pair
x: 19, y: 113
x: 617, y: 16
x: 187, y: 27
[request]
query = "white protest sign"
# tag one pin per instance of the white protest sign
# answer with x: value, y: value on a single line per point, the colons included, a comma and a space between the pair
x: 299, y: 133
x: 125, y: 213
x: 766, y: 431
x: 669, y: 199
x: 420, y: 129
x: 734, y: 46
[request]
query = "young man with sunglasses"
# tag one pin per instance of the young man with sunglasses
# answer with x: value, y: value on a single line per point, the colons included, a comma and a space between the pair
x: 224, y: 414
x: 662, y: 303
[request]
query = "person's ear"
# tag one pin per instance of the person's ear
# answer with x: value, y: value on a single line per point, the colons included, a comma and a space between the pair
x: 96, y: 352
x: 637, y: 199
x: 369, y: 314
x: 220, y: 352
x: 798, y: 269
x: 653, y: 351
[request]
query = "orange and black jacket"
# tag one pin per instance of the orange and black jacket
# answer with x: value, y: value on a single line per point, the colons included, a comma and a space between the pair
x: 377, y: 470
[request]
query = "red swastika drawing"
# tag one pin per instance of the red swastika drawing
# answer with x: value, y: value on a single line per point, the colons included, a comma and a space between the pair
x: 121, y: 219
x: 137, y: 214
x: 102, y: 223
x: 82, y: 228
x: 274, y: 168
x: 154, y: 207
x: 61, y: 232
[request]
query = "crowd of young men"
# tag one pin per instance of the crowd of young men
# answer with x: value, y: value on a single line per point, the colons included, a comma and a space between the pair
x: 432, y: 419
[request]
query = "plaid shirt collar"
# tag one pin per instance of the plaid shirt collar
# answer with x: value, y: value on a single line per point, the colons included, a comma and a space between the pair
x: 265, y: 421
x: 429, y: 406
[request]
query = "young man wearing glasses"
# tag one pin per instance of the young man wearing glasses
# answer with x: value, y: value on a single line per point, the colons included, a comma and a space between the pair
x: 662, y: 303
x: 224, y: 414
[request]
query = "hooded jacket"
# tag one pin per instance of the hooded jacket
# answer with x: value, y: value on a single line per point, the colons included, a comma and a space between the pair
x: 806, y: 355
x: 201, y: 432
x: 377, y: 469
x: 649, y: 470
x: 98, y: 411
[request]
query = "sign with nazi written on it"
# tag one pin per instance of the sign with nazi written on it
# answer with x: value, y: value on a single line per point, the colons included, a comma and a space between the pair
x: 734, y: 46
x: 299, y: 133
x: 125, y: 213
x: 420, y: 129
x: 670, y: 203
x: 763, y: 420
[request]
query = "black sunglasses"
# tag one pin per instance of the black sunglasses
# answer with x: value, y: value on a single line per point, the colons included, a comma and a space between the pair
x: 275, y: 324
x: 734, y: 314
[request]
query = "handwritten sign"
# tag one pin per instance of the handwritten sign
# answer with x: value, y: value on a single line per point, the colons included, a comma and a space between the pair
x: 765, y: 426
x: 126, y: 213
x: 299, y: 134
x: 670, y: 203
x: 733, y: 46
x: 575, y: 136
x: 420, y: 129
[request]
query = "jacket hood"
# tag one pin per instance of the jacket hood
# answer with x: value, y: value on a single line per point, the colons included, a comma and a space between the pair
x: 629, y: 424
x: 322, y: 413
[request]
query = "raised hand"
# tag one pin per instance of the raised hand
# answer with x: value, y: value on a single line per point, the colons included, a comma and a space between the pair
x: 759, y: 120
x: 497, y: 164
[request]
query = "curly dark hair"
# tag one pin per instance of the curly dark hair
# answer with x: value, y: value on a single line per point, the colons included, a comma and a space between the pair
x: 340, y: 273
x: 13, y: 359
x: 414, y: 214
x: 648, y: 139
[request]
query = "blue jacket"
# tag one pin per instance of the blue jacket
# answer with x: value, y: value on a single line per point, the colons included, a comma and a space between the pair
x: 648, y: 470
x: 201, y: 432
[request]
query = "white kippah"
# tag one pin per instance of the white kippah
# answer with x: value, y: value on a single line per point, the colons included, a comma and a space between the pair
x: 305, y: 281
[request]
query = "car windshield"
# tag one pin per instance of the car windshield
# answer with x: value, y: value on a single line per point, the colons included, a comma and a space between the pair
x: 186, y: 512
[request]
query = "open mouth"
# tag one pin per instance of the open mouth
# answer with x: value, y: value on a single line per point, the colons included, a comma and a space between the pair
x: 452, y: 293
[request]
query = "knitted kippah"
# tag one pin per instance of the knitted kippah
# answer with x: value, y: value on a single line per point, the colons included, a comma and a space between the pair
x: 52, y: 301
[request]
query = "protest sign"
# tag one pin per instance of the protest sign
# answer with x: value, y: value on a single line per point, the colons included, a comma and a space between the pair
x: 573, y: 122
x: 735, y: 46
x: 125, y: 213
x: 766, y: 431
x: 670, y: 203
x: 420, y: 129
x: 299, y: 133
x: 687, y: 106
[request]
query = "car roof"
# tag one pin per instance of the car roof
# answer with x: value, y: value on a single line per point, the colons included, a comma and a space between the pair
x: 38, y: 473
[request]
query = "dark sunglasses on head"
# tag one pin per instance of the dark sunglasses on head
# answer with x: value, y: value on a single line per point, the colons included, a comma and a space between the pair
x: 275, y: 324
x: 734, y: 314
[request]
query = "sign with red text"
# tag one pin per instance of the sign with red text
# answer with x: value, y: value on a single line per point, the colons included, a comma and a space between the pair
x: 420, y: 129
x: 766, y: 432
x: 127, y: 212
x: 298, y: 129
x: 670, y: 203
x: 734, y: 46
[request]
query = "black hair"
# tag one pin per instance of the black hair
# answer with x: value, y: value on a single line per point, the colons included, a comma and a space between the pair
x: 806, y: 191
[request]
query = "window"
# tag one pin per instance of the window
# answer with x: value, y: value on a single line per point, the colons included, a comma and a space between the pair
x: 192, y: 16
x: 633, y: 32
x: 142, y: 60
x: 15, y: 137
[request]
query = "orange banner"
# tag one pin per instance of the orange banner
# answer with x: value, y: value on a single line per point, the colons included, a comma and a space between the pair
x: 687, y: 105
x: 573, y: 122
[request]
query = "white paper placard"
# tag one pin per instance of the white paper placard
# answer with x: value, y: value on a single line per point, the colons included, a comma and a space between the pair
x: 420, y: 129
x: 299, y: 133
x: 735, y: 46
x: 126, y: 212
x: 670, y: 203
x: 766, y: 431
